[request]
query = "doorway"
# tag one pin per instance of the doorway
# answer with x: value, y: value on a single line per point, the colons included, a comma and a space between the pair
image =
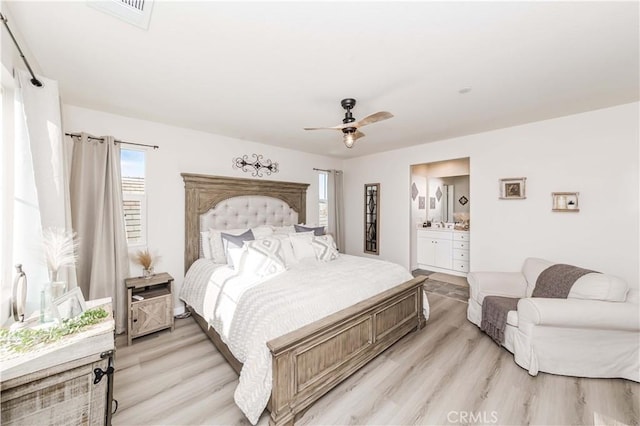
x: 440, y: 216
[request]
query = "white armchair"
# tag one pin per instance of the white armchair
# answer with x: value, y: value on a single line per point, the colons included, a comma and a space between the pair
x: 595, y: 332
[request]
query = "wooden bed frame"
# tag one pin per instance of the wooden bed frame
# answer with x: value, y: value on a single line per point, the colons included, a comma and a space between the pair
x: 310, y: 361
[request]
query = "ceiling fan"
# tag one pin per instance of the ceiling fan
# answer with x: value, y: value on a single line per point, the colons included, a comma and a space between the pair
x: 350, y: 126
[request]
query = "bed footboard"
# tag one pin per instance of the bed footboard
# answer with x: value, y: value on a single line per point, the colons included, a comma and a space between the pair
x: 310, y: 361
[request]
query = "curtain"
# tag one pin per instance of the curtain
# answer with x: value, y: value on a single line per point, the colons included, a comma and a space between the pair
x: 335, y: 205
x: 98, y: 218
x: 41, y: 180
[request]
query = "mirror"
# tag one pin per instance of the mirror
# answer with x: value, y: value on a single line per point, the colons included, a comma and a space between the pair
x: 448, y: 196
x: 371, y: 220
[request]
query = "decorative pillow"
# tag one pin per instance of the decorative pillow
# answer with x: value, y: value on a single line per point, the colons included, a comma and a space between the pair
x: 325, y: 248
x: 302, y: 245
x: 287, y: 249
x: 231, y: 241
x: 317, y: 231
x: 218, y: 253
x: 261, y: 258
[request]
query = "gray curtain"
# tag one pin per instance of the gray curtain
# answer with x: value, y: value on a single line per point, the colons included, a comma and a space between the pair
x: 336, y: 207
x: 97, y: 217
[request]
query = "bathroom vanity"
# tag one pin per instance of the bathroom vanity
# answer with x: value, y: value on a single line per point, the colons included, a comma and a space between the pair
x: 443, y: 250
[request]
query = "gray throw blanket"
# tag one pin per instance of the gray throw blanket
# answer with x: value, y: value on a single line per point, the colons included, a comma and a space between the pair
x: 554, y: 282
x: 494, y: 315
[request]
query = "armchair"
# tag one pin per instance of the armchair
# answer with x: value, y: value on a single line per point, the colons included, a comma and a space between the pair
x: 595, y: 332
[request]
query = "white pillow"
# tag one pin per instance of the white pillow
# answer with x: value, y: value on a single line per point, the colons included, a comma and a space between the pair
x: 205, y: 246
x: 595, y: 286
x: 287, y: 229
x: 287, y: 249
x: 215, y: 241
x: 261, y: 258
x: 262, y: 231
x: 325, y: 248
x: 302, y: 245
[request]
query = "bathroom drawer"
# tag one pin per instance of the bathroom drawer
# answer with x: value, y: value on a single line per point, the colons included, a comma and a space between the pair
x: 461, y: 255
x: 461, y: 236
x: 461, y: 245
x: 461, y: 266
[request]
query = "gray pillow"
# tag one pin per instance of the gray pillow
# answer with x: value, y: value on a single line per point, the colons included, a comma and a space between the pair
x: 235, y: 241
x: 316, y: 231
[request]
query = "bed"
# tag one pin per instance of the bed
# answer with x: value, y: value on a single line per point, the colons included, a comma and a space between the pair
x: 306, y: 362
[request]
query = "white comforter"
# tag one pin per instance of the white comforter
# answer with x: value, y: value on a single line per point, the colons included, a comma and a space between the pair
x: 247, y: 312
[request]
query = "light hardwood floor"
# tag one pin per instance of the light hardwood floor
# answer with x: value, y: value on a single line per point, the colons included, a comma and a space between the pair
x: 447, y: 373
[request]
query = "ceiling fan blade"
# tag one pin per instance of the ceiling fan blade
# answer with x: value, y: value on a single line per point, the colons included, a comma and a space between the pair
x: 373, y: 118
x: 340, y: 127
x: 357, y: 135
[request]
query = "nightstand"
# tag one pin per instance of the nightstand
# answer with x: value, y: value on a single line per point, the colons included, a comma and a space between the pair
x: 150, y: 305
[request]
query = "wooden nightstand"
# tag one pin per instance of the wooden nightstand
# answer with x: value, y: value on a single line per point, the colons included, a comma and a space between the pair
x: 150, y: 305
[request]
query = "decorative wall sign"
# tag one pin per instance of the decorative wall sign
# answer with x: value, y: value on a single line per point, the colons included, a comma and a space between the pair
x: 513, y: 188
x: 421, y: 203
x: 463, y: 200
x: 432, y: 203
x: 259, y: 165
x: 414, y: 191
x: 438, y: 193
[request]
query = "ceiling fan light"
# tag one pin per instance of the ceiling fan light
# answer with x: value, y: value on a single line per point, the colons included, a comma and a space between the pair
x: 349, y: 139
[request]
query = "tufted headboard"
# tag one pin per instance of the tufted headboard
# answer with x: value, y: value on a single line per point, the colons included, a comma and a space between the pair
x: 226, y: 203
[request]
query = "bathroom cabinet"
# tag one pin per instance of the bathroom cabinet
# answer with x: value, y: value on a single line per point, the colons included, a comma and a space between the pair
x: 443, y: 250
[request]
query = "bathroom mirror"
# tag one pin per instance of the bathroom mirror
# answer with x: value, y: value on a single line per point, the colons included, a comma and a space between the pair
x: 448, y: 195
x: 371, y: 217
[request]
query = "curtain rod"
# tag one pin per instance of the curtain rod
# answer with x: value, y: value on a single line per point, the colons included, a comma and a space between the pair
x: 77, y: 135
x: 34, y: 80
x: 325, y: 170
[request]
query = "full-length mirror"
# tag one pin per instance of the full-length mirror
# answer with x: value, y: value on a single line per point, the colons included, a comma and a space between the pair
x: 371, y: 217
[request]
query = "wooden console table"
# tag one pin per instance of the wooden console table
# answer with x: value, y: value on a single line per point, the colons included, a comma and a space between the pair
x: 55, y: 385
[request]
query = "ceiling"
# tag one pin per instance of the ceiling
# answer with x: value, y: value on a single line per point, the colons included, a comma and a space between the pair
x: 262, y: 71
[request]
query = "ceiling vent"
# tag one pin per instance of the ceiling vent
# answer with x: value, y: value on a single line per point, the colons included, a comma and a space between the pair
x: 136, y: 12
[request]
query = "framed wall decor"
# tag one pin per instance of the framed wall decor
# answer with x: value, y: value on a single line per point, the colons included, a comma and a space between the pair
x: 69, y: 305
x: 371, y: 218
x: 421, y: 203
x: 565, y: 202
x: 513, y: 188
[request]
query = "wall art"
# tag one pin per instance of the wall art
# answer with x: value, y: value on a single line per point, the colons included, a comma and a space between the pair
x: 513, y: 188
x: 256, y: 167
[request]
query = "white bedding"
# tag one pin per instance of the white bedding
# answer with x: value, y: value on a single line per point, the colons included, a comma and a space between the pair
x: 248, y: 312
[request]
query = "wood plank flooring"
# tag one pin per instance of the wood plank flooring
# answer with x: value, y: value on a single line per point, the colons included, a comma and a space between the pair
x: 448, y: 373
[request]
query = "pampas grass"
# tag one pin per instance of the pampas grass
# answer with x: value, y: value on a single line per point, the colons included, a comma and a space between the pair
x: 59, y: 250
x: 143, y: 258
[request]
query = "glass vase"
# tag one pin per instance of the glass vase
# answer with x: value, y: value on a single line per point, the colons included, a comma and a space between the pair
x: 147, y: 273
x: 46, y: 304
x: 58, y: 288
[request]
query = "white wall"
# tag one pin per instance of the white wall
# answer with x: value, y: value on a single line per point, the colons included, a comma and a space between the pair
x: 595, y: 153
x: 184, y: 150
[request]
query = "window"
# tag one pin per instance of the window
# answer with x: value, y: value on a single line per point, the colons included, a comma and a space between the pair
x: 134, y: 198
x: 323, y: 208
